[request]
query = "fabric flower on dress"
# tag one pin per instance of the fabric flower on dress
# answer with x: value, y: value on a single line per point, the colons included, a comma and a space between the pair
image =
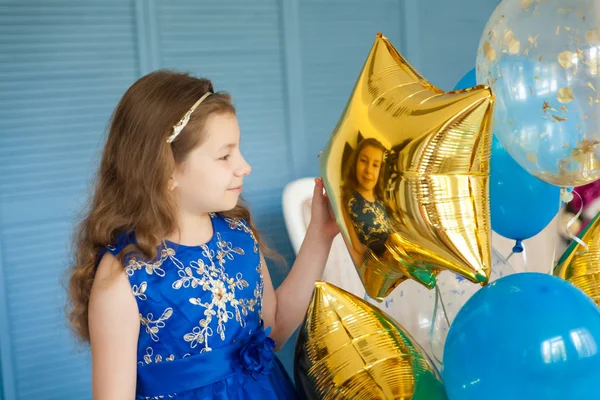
x: 256, y: 353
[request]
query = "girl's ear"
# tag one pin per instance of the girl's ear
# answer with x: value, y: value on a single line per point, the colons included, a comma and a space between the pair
x: 172, y: 184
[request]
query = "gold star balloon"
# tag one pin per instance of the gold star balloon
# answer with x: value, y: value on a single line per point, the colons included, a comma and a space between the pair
x: 407, y: 170
x: 349, y: 349
x: 581, y: 267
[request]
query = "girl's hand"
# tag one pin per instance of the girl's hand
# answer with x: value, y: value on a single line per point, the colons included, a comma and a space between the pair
x: 322, y: 218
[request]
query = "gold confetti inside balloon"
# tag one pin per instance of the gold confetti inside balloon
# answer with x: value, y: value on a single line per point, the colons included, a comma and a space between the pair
x: 349, y: 349
x: 581, y: 267
x: 541, y: 59
x: 407, y: 172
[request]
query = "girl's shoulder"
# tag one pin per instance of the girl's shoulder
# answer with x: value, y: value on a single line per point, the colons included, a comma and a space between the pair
x: 233, y: 227
x: 230, y: 223
x: 226, y: 228
x: 121, y: 242
x: 355, y: 199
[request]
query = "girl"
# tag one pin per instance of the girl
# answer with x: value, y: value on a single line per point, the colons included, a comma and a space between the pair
x: 363, y: 195
x: 169, y: 283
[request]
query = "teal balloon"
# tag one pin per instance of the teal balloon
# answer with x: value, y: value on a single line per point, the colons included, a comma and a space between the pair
x: 525, y: 336
x: 521, y: 204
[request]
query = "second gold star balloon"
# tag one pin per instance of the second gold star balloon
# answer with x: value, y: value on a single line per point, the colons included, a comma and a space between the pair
x: 348, y: 349
x: 407, y: 172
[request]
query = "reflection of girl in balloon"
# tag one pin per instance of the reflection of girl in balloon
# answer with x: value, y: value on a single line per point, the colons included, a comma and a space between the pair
x: 363, y: 198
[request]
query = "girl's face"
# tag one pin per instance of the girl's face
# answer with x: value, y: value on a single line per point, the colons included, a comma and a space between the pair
x: 210, y: 178
x: 368, y: 165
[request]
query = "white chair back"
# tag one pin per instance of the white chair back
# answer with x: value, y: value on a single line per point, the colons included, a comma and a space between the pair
x: 339, y: 270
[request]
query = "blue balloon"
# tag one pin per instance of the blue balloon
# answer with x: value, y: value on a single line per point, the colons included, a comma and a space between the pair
x: 525, y: 336
x: 521, y: 204
x: 467, y: 81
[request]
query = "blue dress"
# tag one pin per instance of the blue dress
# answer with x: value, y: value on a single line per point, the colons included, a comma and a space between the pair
x: 201, y: 333
x: 370, y: 221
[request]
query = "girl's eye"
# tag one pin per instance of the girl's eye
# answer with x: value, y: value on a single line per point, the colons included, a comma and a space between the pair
x: 224, y: 158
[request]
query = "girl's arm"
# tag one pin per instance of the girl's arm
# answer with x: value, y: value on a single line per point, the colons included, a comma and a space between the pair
x: 284, y: 309
x: 114, y: 325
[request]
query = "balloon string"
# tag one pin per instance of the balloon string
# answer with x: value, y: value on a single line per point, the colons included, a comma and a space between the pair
x: 437, y: 289
x: 523, y: 252
x: 564, y: 197
x: 438, y: 299
x: 525, y: 257
x: 432, y: 326
x: 572, y: 221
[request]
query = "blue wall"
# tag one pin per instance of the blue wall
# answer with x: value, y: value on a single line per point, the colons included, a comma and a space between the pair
x: 290, y: 65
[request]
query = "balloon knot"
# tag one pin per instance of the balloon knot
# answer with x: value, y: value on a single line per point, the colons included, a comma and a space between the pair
x: 565, y: 195
x: 518, y: 247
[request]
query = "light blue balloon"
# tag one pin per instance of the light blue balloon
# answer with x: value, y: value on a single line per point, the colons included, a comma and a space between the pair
x: 525, y: 336
x: 521, y: 204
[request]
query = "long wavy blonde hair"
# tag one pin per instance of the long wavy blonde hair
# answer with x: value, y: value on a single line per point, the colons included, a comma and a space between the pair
x: 131, y: 189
